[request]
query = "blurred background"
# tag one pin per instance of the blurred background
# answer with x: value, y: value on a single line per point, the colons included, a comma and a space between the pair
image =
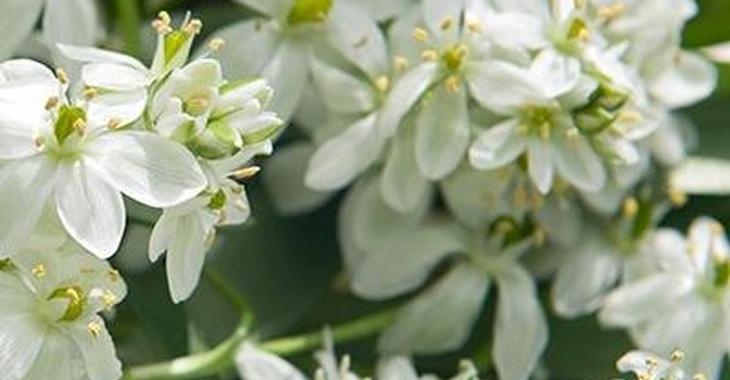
x: 288, y: 267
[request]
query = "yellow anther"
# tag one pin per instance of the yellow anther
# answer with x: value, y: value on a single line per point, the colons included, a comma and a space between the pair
x: 474, y: 25
x: 62, y: 76
x: 90, y: 93
x: 216, y: 43
x: 382, y: 83
x: 51, y: 103
x: 94, y: 329
x: 401, y: 63
x: 245, y: 173
x: 612, y: 11
x: 114, y: 275
x: 429, y: 55
x: 420, y: 34
x: 80, y: 126
x: 109, y: 299
x: 699, y: 376
x: 677, y: 197
x: 630, y: 117
x: 452, y: 83
x: 114, y: 123
x: 447, y: 23
x: 580, y: 4
x: 360, y: 43
x: 193, y: 26
x: 39, y: 141
x: 544, y: 131
x: 630, y: 208
x: 677, y: 356
x: 39, y: 271
x: 572, y: 133
x: 520, y: 196
x: 162, y: 23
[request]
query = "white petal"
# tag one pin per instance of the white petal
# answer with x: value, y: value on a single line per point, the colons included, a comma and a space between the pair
x: 342, y: 92
x: 442, y: 133
x: 396, y: 368
x: 18, y: 126
x: 27, y: 83
x: 636, y: 362
x: 114, y: 76
x: 339, y: 160
x: 257, y: 38
x: 284, y: 179
x: 540, y: 164
x: 71, y: 22
x: 702, y: 176
x: 402, y: 185
x: 122, y: 107
x: 556, y: 73
x: 497, y: 146
x: 186, y: 253
x: 87, y: 54
x: 502, y: 87
x: 358, y: 37
x: 435, y: 12
x: 25, y: 186
x: 287, y: 74
x: 20, y: 338
x: 683, y: 80
x: 256, y: 364
x: 452, y: 306
x: 516, y: 29
x: 382, y: 10
x: 400, y: 265
x: 476, y: 198
x: 404, y: 95
x: 578, y: 163
x: 148, y: 168
x: 17, y: 19
x: 521, y: 332
x: 97, y: 350
x: 584, y: 279
x: 90, y: 209
x: 162, y: 233
x: 57, y: 359
x: 637, y: 301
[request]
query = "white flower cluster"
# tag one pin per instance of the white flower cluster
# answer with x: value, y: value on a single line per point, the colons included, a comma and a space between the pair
x: 494, y: 142
x: 175, y: 136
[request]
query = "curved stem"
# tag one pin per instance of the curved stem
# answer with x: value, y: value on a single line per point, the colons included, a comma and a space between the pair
x: 222, y: 356
x: 228, y: 291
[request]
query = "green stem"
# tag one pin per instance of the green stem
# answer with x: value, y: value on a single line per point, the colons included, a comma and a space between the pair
x: 353, y: 330
x: 193, y: 366
x: 222, y: 356
x: 129, y: 21
x: 228, y: 291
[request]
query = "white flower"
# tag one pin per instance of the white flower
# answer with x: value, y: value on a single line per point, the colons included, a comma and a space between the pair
x: 278, y: 46
x: 186, y: 231
x: 648, y: 366
x: 56, y: 152
x: 49, y: 306
x: 70, y: 22
x: 683, y: 301
x: 390, y: 255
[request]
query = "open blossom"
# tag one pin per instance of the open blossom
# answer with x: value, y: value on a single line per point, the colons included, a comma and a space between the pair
x: 682, y: 301
x: 50, y: 305
x: 404, y: 255
x: 19, y: 17
x: 648, y: 366
x: 278, y: 47
x: 56, y: 151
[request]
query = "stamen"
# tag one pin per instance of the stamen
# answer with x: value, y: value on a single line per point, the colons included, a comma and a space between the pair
x: 474, y: 25
x: 447, y: 23
x: 90, y: 93
x: 216, y: 43
x: 361, y: 42
x: 62, y: 76
x: 193, y: 26
x: 677, y: 197
x: 382, y: 84
x: 51, y: 103
x: 572, y: 133
x: 630, y: 117
x: 677, y: 356
x: 420, y: 34
x: 429, y: 55
x: 544, y: 131
x: 452, y: 84
x: 80, y: 126
x: 39, y: 141
x: 630, y: 208
x: 400, y: 63
x: 245, y: 173
x: 94, y: 329
x: 109, y: 299
x: 162, y: 23
x: 114, y: 275
x: 611, y: 11
x: 39, y: 271
x: 114, y: 123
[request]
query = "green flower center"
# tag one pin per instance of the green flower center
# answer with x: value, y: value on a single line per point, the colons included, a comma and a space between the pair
x: 70, y: 119
x: 309, y: 11
x: 538, y: 120
x: 75, y: 297
x: 455, y: 56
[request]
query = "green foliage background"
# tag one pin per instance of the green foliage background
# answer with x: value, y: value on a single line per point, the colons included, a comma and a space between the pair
x: 288, y: 267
